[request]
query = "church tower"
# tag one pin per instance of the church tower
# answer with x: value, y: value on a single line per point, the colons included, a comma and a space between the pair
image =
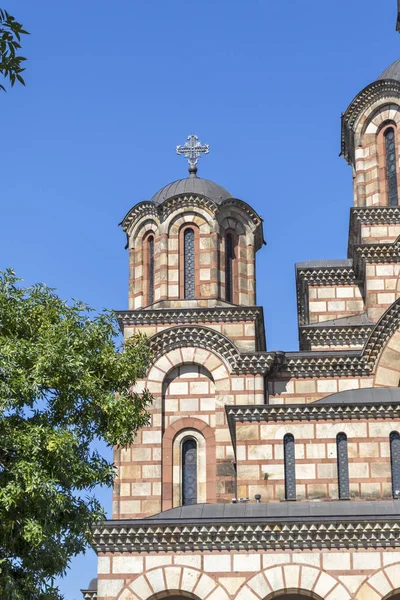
x: 263, y: 474
x: 192, y: 251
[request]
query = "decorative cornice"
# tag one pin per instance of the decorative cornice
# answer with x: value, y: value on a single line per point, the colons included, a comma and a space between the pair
x: 161, y: 316
x: 324, y: 363
x: 250, y: 535
x: 294, y: 364
x: 170, y: 205
x: 89, y: 594
x: 330, y: 275
x: 258, y: 363
x: 162, y: 211
x: 312, y: 412
x: 377, y: 253
x: 352, y: 273
x: 202, y: 337
x: 369, y: 215
x: 375, y: 215
x: 253, y: 216
x: 309, y: 364
x: 350, y: 335
x: 383, y: 330
x: 274, y: 413
x: 137, y: 212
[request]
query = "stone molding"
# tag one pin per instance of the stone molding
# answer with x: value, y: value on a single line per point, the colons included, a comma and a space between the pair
x: 89, y: 594
x: 138, y: 211
x: 374, y: 215
x: 209, y: 339
x: 181, y: 536
x: 382, y: 332
x: 312, y: 412
x: 351, y: 274
x: 334, y: 335
x: 164, y: 210
x: 308, y: 412
x: 187, y: 423
x: 195, y: 315
x: 201, y: 337
x: 377, y: 253
x: 296, y: 364
x: 321, y: 276
x: 369, y: 215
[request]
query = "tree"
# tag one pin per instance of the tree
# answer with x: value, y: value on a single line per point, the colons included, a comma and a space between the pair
x: 10, y: 37
x: 64, y: 383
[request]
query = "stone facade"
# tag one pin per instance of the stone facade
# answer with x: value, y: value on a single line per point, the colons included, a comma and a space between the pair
x: 335, y: 402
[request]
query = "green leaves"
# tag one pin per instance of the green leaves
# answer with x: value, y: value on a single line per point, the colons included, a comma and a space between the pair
x: 64, y: 384
x: 10, y: 37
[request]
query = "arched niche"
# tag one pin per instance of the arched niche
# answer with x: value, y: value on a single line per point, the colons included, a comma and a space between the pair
x: 294, y: 595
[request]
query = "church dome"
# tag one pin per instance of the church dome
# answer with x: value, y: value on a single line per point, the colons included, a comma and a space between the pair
x: 392, y: 72
x: 192, y: 185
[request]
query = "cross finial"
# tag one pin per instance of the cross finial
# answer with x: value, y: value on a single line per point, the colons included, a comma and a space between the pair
x: 192, y: 150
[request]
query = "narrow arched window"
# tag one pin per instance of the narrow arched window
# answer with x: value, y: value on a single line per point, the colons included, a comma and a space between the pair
x: 189, y: 472
x: 395, y: 462
x: 342, y: 466
x: 391, y: 166
x: 150, y: 272
x: 188, y: 264
x: 229, y: 257
x: 290, y: 467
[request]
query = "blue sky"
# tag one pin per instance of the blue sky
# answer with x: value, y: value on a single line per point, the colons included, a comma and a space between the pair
x: 113, y: 87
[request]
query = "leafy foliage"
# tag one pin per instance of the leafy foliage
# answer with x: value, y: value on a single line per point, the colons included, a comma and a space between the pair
x: 63, y: 385
x: 10, y: 37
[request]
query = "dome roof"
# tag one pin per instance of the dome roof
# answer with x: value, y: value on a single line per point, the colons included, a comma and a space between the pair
x: 392, y: 72
x: 192, y: 185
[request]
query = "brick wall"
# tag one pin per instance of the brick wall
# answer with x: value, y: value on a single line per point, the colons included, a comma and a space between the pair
x: 209, y: 257
x: 187, y: 383
x: 260, y: 461
x: 370, y: 165
x: 327, y: 303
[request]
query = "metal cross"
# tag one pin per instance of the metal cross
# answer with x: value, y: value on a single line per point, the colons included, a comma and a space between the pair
x: 193, y: 149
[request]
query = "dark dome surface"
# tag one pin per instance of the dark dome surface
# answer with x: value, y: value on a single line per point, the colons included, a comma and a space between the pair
x: 392, y: 72
x: 93, y: 584
x: 192, y: 185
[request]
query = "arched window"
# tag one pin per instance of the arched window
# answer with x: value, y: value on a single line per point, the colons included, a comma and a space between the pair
x: 391, y: 166
x: 342, y: 466
x: 395, y: 462
x: 189, y: 472
x: 290, y: 467
x: 188, y: 264
x: 229, y: 258
x: 150, y: 267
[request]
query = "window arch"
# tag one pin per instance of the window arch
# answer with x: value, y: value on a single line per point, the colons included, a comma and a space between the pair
x: 188, y: 264
x: 342, y: 466
x: 148, y: 268
x: 290, y: 467
x: 394, y: 440
x: 189, y: 471
x: 391, y: 166
x: 229, y: 258
x: 150, y: 258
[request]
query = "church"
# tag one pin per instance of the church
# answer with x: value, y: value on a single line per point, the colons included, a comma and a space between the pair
x: 264, y: 474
